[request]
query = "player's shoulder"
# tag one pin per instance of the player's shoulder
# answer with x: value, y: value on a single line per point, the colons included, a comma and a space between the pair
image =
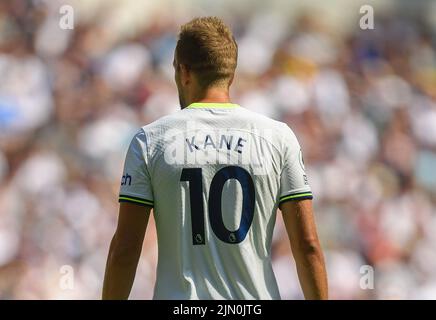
x: 281, y: 129
x: 162, y: 124
x: 246, y: 119
x: 156, y: 130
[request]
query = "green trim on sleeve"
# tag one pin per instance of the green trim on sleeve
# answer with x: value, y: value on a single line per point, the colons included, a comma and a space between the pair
x: 135, y: 200
x: 296, y: 196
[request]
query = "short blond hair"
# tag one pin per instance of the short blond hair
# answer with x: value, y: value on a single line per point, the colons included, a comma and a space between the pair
x: 207, y: 47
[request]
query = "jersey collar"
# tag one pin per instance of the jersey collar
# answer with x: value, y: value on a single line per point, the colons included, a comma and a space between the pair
x: 214, y: 105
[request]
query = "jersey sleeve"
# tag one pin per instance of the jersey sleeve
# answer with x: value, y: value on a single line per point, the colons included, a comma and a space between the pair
x: 293, y: 180
x: 136, y: 183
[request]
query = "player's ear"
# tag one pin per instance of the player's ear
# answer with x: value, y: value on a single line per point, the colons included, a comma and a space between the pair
x: 185, y: 74
x: 231, y: 79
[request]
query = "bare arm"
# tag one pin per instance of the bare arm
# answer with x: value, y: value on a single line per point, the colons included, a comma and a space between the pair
x: 125, y: 250
x: 301, y: 229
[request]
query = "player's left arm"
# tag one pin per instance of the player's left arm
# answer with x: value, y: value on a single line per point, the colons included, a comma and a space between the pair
x: 125, y: 250
x: 295, y: 202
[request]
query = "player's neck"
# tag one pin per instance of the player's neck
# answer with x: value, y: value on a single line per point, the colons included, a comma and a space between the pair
x: 211, y: 95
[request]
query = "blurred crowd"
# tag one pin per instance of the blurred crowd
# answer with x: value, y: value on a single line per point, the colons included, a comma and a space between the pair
x: 361, y: 102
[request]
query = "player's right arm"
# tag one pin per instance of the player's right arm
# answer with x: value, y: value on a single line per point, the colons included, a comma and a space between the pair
x: 306, y: 249
x: 125, y: 250
x: 136, y: 202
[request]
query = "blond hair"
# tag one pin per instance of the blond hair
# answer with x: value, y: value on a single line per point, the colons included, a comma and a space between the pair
x: 207, y: 47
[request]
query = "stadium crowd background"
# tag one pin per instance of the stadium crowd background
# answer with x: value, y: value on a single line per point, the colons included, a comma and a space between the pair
x: 362, y: 102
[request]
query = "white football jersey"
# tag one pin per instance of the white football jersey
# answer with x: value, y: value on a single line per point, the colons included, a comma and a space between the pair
x: 214, y: 174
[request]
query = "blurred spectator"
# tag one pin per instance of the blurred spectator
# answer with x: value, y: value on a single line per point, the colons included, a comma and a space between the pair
x: 363, y: 104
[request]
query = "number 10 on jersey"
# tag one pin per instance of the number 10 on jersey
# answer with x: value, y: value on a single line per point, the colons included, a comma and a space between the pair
x: 195, y: 178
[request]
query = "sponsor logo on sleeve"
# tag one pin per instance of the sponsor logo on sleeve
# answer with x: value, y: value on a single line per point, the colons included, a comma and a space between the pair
x: 126, y: 180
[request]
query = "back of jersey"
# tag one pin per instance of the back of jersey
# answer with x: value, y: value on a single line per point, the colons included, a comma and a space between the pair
x: 215, y: 174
